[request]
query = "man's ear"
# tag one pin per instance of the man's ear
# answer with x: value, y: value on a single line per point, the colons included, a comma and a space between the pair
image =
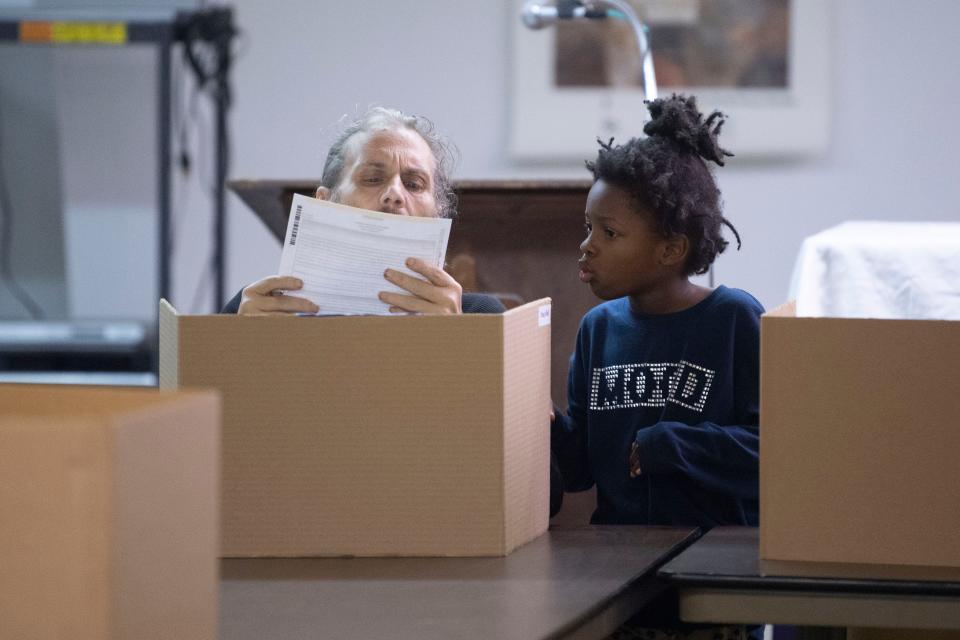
x: 323, y: 193
x: 674, y: 250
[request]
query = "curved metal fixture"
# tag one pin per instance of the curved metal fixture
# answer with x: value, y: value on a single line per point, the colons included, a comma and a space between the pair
x: 536, y: 15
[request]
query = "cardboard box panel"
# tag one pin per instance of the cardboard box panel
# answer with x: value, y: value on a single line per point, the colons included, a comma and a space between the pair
x: 53, y: 542
x: 373, y: 435
x: 110, y: 519
x: 526, y: 463
x: 860, y: 439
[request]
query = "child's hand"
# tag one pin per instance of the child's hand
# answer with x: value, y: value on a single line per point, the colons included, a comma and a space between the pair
x: 634, y: 460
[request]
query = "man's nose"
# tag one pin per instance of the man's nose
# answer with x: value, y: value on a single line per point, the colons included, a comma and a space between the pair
x: 392, y: 195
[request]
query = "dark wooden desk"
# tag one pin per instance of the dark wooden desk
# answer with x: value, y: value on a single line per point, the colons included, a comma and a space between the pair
x: 720, y: 578
x: 569, y: 583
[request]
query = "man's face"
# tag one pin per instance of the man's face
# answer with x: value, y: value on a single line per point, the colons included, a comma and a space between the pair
x: 389, y: 170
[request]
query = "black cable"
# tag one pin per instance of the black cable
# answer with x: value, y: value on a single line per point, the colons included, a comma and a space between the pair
x: 189, y: 119
x: 197, y: 160
x: 207, y: 38
x: 6, y: 244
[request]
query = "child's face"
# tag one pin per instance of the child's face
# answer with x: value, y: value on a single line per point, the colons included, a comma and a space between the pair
x: 621, y: 255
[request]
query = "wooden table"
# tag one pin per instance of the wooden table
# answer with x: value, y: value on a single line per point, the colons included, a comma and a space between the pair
x: 568, y: 583
x: 720, y: 578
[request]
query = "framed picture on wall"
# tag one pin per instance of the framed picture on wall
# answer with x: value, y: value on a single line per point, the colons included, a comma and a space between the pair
x: 764, y: 63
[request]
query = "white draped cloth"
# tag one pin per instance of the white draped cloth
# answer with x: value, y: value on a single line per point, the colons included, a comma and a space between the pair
x: 907, y: 270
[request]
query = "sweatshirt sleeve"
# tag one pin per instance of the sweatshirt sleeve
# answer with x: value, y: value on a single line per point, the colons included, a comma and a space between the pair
x: 721, y: 458
x: 568, y: 435
x: 233, y: 306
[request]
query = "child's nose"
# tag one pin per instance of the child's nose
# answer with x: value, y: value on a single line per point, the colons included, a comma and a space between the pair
x: 586, y: 247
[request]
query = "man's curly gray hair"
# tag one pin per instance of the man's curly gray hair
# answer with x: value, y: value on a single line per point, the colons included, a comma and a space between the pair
x: 378, y: 118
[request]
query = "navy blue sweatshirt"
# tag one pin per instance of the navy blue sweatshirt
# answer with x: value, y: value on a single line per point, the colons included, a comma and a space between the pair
x: 683, y: 386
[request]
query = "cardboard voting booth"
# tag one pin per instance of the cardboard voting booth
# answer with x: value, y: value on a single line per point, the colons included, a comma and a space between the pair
x: 374, y: 435
x: 109, y: 513
x: 860, y: 437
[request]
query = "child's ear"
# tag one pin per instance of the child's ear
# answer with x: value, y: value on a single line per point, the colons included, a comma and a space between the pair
x: 674, y: 250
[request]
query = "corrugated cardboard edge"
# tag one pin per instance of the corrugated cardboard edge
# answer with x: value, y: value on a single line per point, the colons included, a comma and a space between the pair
x: 526, y: 465
x: 859, y: 571
x: 169, y: 346
x: 786, y: 310
x: 767, y: 321
x: 165, y: 483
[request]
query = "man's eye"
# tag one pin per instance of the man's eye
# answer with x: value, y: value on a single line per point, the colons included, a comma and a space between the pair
x: 587, y: 228
x: 372, y: 180
x: 414, y: 185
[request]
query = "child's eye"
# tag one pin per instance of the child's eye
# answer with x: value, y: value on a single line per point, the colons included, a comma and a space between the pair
x: 610, y: 233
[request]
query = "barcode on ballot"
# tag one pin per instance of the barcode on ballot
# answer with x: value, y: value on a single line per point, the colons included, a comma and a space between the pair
x: 296, y: 225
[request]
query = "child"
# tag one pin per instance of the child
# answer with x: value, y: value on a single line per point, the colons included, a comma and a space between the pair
x: 663, y: 385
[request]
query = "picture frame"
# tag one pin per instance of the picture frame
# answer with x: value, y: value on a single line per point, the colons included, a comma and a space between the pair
x: 551, y: 123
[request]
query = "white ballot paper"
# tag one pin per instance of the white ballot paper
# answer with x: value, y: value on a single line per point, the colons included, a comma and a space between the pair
x: 341, y: 252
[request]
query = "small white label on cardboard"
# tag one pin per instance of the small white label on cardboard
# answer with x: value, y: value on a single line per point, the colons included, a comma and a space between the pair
x: 543, y: 317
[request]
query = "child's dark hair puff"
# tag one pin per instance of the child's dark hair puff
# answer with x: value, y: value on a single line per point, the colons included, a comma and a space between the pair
x: 666, y: 173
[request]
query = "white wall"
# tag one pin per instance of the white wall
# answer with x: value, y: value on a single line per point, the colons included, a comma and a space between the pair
x: 310, y: 63
x: 892, y: 155
x: 894, y: 150
x: 306, y: 63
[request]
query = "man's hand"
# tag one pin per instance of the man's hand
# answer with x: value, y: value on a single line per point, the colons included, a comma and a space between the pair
x: 269, y: 297
x: 440, y: 294
x: 634, y: 460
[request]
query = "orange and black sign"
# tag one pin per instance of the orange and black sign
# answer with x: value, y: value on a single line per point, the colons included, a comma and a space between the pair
x: 73, y: 32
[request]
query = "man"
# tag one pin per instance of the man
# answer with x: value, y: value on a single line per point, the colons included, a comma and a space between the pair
x: 387, y: 161
x: 391, y: 162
